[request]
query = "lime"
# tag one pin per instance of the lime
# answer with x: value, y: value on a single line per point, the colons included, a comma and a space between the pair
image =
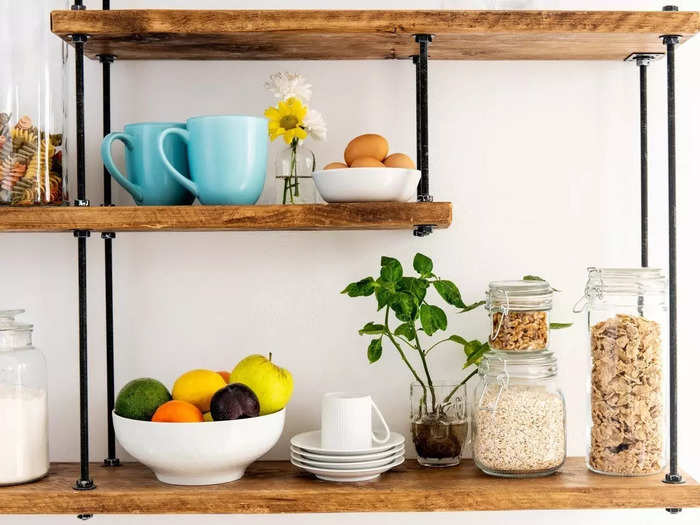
x: 140, y: 398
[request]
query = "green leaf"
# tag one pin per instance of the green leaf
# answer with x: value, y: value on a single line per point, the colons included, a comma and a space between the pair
x: 472, y: 306
x: 406, y: 330
x: 450, y: 293
x: 374, y: 350
x: 415, y: 287
x: 458, y: 339
x: 363, y: 288
x: 404, y: 306
x: 384, y: 297
x: 423, y: 265
x: 559, y: 326
x: 372, y: 329
x: 474, y: 350
x: 432, y: 318
x: 538, y: 278
x: 391, y: 269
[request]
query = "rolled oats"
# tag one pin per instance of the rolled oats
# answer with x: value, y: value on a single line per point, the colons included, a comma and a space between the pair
x: 522, y: 431
x: 626, y: 396
x: 520, y: 331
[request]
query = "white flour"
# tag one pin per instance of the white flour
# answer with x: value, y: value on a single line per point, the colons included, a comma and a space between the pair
x: 24, y: 445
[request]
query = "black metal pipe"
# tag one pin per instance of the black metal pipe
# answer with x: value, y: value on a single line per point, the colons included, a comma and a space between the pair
x: 671, y: 41
x: 422, y: 155
x: 84, y: 483
x: 644, y: 158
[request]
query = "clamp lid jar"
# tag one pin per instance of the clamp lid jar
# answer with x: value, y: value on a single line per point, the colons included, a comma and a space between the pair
x: 518, y: 421
x: 519, y: 312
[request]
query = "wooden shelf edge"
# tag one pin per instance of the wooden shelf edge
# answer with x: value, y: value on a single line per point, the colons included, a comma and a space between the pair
x: 371, y: 34
x: 351, y: 216
x: 278, y: 487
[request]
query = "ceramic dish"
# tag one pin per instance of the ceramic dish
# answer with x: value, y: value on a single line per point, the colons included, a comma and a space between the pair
x: 367, y: 184
x: 348, y: 466
x: 348, y: 475
x: 346, y: 459
x: 311, y: 442
x: 199, y: 453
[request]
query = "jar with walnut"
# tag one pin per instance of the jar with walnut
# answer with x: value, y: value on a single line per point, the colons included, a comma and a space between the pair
x: 627, y: 325
x: 519, y: 312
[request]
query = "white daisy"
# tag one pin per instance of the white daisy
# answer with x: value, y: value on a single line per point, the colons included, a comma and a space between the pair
x: 286, y: 85
x: 315, y: 125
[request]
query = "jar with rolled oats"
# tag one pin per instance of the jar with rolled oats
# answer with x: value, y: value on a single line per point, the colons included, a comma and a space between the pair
x: 518, y: 416
x: 627, y: 320
x: 519, y: 312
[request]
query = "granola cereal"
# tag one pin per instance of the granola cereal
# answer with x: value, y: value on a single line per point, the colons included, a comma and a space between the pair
x: 521, y: 331
x: 626, y: 396
x: 520, y: 432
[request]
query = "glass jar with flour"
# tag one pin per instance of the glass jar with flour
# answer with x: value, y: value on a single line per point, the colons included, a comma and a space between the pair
x: 24, y: 444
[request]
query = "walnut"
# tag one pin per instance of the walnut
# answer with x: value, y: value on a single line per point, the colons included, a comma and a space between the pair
x: 626, y: 396
x: 520, y: 331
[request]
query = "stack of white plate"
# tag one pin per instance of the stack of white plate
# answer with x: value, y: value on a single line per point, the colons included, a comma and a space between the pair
x: 345, y: 465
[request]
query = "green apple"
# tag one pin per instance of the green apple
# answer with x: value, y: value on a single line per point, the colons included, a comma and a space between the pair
x: 273, y: 385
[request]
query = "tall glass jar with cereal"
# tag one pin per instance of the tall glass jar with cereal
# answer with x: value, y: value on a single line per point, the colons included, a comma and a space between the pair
x: 519, y: 312
x: 627, y: 323
x: 32, y: 64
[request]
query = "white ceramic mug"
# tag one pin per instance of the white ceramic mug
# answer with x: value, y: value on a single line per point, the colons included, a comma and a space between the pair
x: 346, y: 422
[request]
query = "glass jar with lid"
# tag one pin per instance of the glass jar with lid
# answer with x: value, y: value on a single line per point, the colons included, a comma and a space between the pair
x: 32, y: 112
x: 518, y: 416
x: 24, y: 444
x: 627, y: 324
x: 519, y: 312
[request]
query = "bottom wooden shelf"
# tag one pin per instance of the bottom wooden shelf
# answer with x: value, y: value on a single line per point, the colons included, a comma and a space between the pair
x: 278, y: 487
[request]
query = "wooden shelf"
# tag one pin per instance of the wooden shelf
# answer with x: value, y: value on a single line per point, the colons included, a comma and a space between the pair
x: 334, y: 35
x: 353, y: 216
x: 278, y: 487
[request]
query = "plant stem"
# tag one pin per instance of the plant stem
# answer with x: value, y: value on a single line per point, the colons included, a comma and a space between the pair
x: 454, y: 390
x: 433, y: 346
x: 425, y: 366
x: 401, y: 352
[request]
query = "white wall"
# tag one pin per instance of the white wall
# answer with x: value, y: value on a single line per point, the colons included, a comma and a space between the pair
x: 540, y: 160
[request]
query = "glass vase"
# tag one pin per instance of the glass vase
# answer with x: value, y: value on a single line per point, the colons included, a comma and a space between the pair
x: 439, y: 423
x: 293, y: 180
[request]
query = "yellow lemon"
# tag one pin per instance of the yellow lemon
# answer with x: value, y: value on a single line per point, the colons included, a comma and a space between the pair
x: 207, y: 416
x: 197, y: 387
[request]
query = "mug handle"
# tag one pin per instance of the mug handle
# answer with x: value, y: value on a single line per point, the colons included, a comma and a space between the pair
x: 106, y: 151
x: 386, y: 427
x: 179, y: 177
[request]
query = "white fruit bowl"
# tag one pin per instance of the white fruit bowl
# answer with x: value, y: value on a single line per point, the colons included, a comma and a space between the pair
x: 199, y: 453
x: 367, y: 184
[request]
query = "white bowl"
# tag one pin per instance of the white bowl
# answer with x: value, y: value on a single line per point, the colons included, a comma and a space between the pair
x: 199, y: 453
x: 367, y: 184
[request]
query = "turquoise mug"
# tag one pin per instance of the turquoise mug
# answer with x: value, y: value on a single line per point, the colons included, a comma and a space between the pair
x: 148, y: 180
x: 227, y: 156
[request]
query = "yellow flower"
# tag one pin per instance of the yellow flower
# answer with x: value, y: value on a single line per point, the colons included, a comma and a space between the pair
x: 286, y: 120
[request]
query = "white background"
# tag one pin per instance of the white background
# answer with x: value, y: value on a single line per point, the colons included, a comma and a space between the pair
x: 540, y: 160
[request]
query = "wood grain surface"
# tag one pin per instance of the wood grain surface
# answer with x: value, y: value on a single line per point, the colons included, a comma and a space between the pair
x: 352, y: 216
x: 278, y: 487
x: 359, y: 34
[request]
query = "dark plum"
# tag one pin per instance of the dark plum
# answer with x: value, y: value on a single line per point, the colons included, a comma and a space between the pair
x: 234, y: 401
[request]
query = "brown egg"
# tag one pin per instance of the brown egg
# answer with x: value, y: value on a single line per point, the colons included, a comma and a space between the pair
x: 366, y: 162
x: 399, y: 160
x: 335, y: 166
x: 369, y: 145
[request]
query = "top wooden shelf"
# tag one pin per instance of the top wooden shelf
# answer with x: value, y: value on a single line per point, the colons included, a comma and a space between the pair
x: 359, y: 34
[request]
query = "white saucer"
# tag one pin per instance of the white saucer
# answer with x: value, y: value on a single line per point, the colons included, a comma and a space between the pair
x: 362, y: 465
x: 311, y: 442
x: 348, y: 475
x: 347, y: 459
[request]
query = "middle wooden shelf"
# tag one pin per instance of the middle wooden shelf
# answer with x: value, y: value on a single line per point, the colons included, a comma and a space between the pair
x: 350, y: 216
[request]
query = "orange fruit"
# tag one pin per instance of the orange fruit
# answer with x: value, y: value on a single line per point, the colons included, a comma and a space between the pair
x: 224, y: 374
x: 177, y: 412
